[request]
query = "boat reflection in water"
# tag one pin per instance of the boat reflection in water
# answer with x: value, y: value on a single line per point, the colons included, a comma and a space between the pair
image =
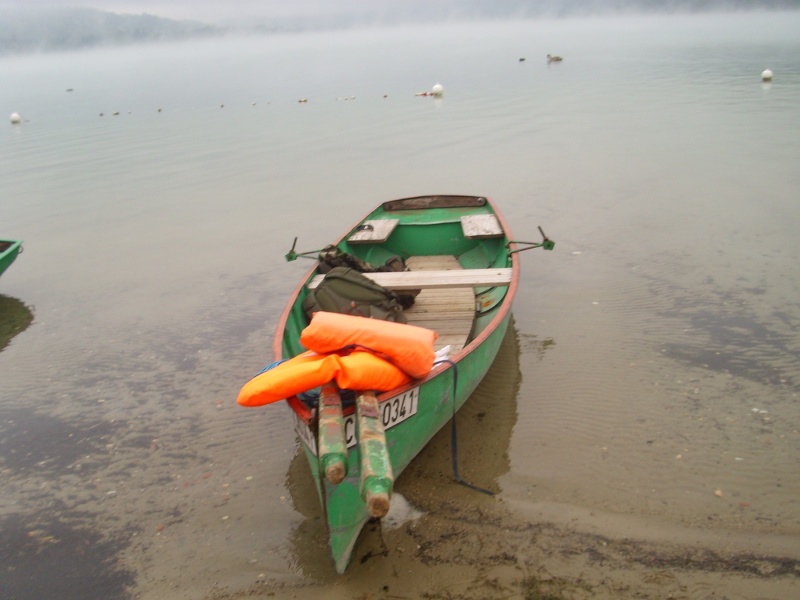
x: 15, y: 317
x: 426, y: 486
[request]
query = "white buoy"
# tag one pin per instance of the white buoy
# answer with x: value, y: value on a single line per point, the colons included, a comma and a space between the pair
x: 766, y: 75
x: 15, y: 118
x: 437, y: 90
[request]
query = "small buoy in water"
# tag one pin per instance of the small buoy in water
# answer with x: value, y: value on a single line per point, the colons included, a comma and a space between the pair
x: 15, y: 118
x: 766, y: 75
x: 437, y: 90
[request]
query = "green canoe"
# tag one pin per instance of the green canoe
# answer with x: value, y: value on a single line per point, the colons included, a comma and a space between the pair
x: 459, y: 253
x: 9, y: 249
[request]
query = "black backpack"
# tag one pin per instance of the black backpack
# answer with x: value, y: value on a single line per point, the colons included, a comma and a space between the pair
x: 345, y: 290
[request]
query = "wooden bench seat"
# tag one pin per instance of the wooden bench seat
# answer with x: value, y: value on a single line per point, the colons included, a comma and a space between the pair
x: 446, y: 303
x: 373, y: 231
x: 477, y: 227
x: 435, y: 279
x: 448, y: 311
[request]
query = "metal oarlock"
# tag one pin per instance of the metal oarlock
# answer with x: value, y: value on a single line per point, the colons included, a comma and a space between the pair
x: 292, y: 255
x: 546, y: 243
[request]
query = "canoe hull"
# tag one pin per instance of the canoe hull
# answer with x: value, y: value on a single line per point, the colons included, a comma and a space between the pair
x: 431, y: 404
x: 9, y: 250
x: 414, y: 413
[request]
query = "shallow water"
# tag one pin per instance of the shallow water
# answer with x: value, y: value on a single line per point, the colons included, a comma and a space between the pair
x: 655, y: 380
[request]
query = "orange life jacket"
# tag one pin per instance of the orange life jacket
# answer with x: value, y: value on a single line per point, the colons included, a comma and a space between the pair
x: 407, y: 346
x: 356, y: 371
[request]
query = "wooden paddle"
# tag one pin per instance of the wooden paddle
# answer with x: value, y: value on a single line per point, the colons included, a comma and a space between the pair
x: 332, y: 446
x: 377, y: 479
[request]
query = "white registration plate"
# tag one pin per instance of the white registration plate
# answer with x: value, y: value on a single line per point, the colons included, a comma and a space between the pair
x: 393, y: 412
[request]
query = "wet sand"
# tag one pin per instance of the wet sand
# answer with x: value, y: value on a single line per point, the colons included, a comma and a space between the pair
x: 482, y: 552
x: 470, y: 546
x: 455, y: 543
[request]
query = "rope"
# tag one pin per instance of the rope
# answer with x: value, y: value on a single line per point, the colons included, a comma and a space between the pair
x: 454, y: 436
x: 323, y: 492
x: 270, y: 366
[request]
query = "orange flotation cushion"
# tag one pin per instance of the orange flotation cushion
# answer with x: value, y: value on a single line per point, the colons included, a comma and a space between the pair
x: 407, y: 346
x: 356, y: 371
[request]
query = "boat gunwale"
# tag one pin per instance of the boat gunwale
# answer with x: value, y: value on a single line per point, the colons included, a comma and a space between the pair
x: 12, y: 245
x: 9, y: 251
x: 305, y: 413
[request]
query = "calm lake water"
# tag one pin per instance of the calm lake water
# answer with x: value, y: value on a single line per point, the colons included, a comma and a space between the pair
x: 650, y: 389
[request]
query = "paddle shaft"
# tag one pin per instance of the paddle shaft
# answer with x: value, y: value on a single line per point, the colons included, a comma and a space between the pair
x: 377, y: 479
x: 332, y: 445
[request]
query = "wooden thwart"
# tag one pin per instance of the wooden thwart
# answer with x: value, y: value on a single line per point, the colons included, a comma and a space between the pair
x: 447, y: 301
x: 456, y: 278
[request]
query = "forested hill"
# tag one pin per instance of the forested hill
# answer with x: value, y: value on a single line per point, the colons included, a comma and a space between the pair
x: 23, y: 31
x: 31, y: 30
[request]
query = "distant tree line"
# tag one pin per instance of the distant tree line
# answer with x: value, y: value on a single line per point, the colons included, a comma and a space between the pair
x: 73, y: 29
x: 565, y: 8
x: 30, y: 30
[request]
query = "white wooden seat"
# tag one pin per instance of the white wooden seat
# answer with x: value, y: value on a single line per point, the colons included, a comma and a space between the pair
x: 373, y: 231
x: 435, y: 279
x: 481, y: 226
